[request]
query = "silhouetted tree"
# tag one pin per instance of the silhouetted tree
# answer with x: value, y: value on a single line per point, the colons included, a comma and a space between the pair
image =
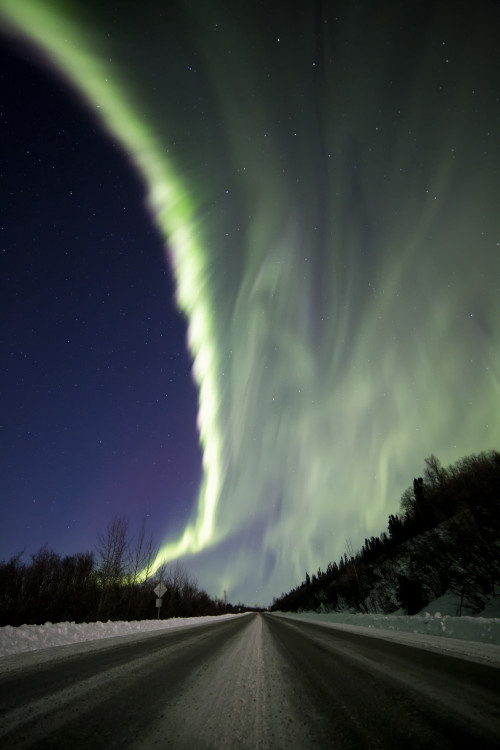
x: 447, y: 538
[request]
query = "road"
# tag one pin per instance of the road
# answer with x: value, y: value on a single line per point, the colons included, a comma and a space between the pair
x: 252, y: 682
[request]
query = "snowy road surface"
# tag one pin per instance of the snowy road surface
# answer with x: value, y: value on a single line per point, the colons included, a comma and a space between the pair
x: 251, y: 682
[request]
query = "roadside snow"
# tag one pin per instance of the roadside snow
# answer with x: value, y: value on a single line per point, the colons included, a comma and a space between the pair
x: 474, y: 638
x: 480, y: 629
x: 15, y: 640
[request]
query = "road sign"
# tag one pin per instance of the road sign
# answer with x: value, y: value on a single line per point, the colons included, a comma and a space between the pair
x: 159, y: 602
x: 160, y: 590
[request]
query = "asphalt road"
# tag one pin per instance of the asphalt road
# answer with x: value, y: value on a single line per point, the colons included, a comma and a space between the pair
x: 252, y: 682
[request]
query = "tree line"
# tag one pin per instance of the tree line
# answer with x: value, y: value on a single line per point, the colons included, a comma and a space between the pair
x: 445, y: 538
x: 114, y: 583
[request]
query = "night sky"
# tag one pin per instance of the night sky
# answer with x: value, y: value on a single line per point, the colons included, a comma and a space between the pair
x: 250, y: 272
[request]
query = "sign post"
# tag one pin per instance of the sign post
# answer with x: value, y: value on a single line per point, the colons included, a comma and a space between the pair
x: 159, y: 591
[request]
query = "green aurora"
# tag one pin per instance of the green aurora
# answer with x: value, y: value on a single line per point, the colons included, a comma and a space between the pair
x: 326, y: 178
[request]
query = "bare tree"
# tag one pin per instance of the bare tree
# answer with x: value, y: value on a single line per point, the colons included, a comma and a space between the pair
x: 161, y: 575
x: 112, y: 546
x: 142, y: 556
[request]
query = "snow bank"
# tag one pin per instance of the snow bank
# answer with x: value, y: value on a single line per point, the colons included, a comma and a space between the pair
x: 31, y: 638
x: 479, y: 629
x: 14, y: 640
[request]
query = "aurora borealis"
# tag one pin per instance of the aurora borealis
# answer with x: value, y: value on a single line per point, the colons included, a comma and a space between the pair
x: 325, y: 178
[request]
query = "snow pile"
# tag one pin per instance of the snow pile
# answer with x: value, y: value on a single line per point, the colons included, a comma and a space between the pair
x: 479, y: 629
x: 14, y: 640
x: 435, y: 622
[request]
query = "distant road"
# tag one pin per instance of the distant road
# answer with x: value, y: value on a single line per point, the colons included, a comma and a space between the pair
x: 257, y: 681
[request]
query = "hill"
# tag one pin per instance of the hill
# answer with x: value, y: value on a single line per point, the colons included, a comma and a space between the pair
x: 445, y: 539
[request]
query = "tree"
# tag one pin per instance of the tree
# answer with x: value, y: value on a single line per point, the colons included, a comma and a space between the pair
x: 396, y: 528
x: 435, y: 474
x: 142, y: 556
x: 112, y: 547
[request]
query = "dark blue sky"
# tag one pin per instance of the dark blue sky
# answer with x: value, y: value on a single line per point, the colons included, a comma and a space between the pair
x: 98, y: 405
